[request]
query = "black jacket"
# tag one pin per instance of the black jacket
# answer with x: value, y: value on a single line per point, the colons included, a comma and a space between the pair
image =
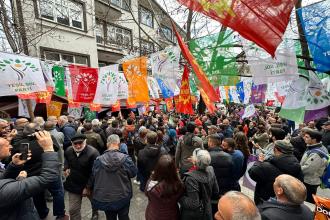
x: 16, y: 196
x: 80, y: 168
x: 264, y: 174
x: 33, y: 166
x: 273, y: 210
x: 299, y: 147
x: 326, y: 139
x: 222, y: 164
x: 147, y: 159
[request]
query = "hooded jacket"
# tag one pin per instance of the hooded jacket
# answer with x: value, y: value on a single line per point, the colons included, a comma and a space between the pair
x: 111, y: 180
x: 191, y: 200
x: 274, y: 210
x: 185, y: 149
x: 265, y: 173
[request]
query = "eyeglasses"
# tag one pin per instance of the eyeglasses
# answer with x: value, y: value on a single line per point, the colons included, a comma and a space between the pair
x: 77, y: 142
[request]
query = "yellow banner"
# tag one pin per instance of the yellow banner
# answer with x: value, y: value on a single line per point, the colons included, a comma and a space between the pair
x: 54, y: 109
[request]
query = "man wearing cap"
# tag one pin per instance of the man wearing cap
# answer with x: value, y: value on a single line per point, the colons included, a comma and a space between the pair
x: 264, y: 172
x: 79, y: 160
x: 326, y: 135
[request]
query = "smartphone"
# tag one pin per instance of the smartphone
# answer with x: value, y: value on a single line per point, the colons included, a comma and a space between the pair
x: 24, y: 150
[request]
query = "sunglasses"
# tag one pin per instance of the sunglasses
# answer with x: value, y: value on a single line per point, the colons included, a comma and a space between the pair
x: 77, y: 142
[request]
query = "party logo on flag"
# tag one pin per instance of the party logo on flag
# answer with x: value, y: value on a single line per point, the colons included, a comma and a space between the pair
x: 107, y: 89
x: 184, y: 105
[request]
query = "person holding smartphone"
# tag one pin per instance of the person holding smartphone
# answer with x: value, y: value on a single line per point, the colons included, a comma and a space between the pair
x: 16, y: 196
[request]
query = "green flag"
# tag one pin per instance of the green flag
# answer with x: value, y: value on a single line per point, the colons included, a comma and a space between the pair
x: 215, y: 55
x: 88, y: 114
x: 58, y: 73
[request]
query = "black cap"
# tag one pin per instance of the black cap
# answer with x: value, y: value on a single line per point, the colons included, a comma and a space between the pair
x: 326, y: 123
x: 78, y: 137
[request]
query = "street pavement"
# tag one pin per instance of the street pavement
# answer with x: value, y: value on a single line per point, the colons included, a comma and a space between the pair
x: 139, y: 204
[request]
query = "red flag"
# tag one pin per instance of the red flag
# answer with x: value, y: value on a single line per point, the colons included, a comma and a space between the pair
x: 204, y: 82
x: 184, y: 105
x: 116, y: 107
x: 27, y: 96
x: 84, y: 82
x: 209, y: 104
x: 46, y: 96
x: 95, y: 107
x: 261, y: 21
x: 73, y: 104
x: 130, y: 103
x: 169, y: 104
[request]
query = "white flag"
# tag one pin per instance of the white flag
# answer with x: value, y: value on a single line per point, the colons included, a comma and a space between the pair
x: 165, y: 66
x: 47, y: 71
x: 23, y: 109
x: 75, y: 112
x: 249, y: 111
x: 317, y: 96
x: 269, y: 70
x: 122, y: 86
x: 20, y: 75
x: 234, y: 95
x: 153, y: 87
x: 107, y: 85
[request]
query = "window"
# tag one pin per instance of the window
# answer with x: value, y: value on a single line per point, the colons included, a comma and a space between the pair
x: 99, y: 31
x: 66, y: 12
x: 166, y: 32
x: 118, y: 36
x: 146, y: 17
x: 70, y: 58
x: 147, y: 47
x: 124, y: 4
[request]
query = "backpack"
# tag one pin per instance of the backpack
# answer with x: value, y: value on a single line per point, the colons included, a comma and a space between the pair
x: 325, y: 178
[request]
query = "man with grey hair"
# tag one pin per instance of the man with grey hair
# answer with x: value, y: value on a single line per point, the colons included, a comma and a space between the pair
x: 236, y: 206
x: 289, y: 202
x: 114, y: 169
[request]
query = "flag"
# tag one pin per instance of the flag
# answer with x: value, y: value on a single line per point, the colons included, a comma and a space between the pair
x: 216, y: 56
x: 260, y: 21
x: 89, y: 114
x: 165, y: 66
x: 122, y: 86
x: 75, y: 112
x: 204, y: 82
x: 23, y: 109
x: 47, y: 72
x: 293, y: 107
x: 240, y: 91
x: 116, y: 107
x: 234, y: 94
x: 269, y: 70
x: 95, y: 107
x: 59, y: 77
x: 208, y: 103
x: 130, y: 104
x: 54, y: 109
x: 20, y: 75
x: 136, y: 73
x: 258, y: 93
x: 184, y: 105
x: 107, y: 85
x: 318, y: 99
x: 166, y: 92
x: 315, y: 19
x: 247, y: 83
x: 44, y: 97
x: 153, y: 87
x: 249, y: 111
x: 83, y: 82
x: 169, y: 104
x: 72, y: 104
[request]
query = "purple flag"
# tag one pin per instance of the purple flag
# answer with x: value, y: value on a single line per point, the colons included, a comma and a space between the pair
x: 258, y: 93
x: 316, y: 114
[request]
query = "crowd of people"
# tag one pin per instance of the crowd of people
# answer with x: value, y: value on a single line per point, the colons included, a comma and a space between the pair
x: 189, y: 167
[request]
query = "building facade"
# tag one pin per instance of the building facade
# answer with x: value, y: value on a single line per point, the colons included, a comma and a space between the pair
x: 95, y: 32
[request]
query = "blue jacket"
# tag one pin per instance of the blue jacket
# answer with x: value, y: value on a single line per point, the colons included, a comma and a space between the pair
x: 111, y: 180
